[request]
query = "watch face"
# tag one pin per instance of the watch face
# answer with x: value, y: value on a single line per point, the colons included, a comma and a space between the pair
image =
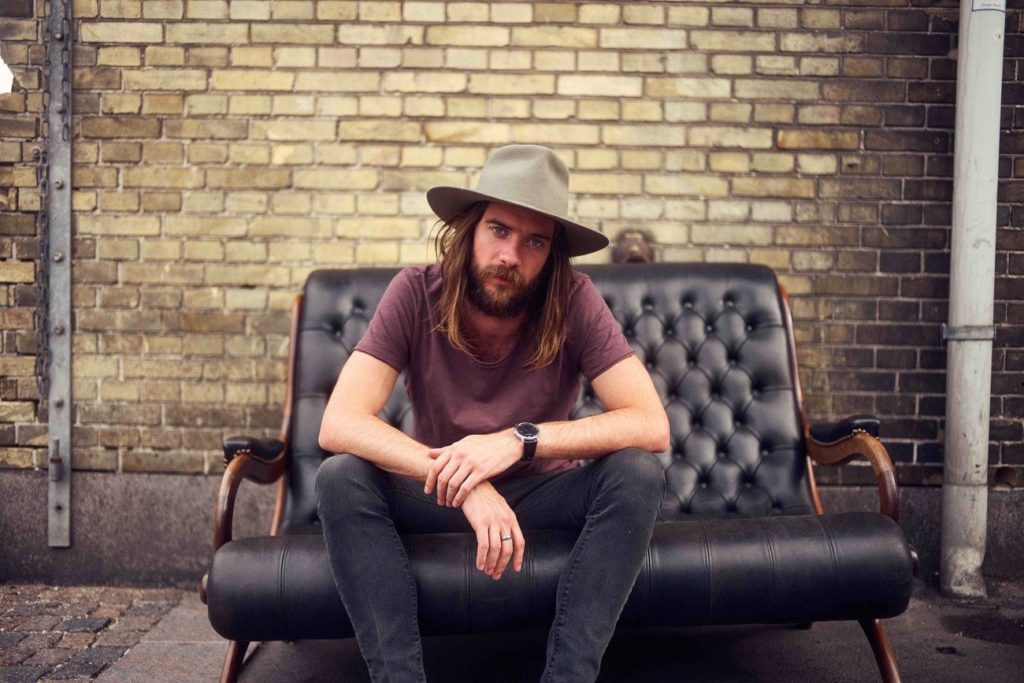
x: 527, y: 430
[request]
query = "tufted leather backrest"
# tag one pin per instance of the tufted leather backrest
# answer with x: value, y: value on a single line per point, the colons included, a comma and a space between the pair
x: 713, y: 337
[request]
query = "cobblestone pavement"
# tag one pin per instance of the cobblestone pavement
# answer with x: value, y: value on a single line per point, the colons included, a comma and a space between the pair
x: 73, y: 633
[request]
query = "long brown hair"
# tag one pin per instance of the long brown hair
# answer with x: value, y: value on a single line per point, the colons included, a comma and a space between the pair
x: 546, y: 318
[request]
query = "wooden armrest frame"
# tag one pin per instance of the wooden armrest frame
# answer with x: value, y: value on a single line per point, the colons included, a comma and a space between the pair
x: 862, y: 444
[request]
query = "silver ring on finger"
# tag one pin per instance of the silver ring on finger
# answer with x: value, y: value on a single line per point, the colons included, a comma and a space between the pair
x: 506, y: 538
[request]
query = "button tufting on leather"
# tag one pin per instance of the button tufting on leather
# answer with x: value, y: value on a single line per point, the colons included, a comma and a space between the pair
x: 687, y: 303
x: 709, y: 328
x: 750, y: 328
x: 670, y: 332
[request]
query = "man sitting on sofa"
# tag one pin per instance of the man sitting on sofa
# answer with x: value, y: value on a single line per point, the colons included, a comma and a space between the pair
x: 493, y: 341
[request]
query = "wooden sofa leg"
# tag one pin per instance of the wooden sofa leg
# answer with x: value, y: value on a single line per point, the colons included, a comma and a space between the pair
x: 882, y: 648
x: 233, y: 660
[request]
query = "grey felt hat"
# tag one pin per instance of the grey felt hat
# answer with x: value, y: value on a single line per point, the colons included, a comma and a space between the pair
x: 530, y: 176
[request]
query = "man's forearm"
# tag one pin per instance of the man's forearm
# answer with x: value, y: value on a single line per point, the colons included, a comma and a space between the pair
x: 369, y: 437
x: 598, y: 435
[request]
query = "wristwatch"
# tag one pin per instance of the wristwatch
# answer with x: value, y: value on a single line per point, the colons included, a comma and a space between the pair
x: 528, y: 433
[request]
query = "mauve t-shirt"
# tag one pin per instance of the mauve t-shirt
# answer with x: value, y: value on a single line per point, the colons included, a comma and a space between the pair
x: 454, y: 395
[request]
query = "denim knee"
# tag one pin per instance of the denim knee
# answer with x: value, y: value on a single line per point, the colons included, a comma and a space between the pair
x: 345, y: 479
x: 635, y: 473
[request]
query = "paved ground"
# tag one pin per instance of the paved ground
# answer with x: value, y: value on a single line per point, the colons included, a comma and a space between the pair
x: 150, y: 635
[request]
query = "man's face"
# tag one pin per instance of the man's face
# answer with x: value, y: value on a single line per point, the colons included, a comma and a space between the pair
x: 510, y: 247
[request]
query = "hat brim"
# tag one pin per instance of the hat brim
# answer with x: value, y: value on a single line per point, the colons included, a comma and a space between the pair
x: 449, y: 202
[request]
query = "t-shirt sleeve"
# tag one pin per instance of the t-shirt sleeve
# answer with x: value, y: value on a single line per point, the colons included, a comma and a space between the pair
x: 598, y: 333
x: 388, y: 337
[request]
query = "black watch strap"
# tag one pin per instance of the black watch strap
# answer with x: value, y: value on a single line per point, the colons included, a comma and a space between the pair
x: 528, y: 433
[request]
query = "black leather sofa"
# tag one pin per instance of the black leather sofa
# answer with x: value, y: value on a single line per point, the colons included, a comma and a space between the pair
x: 742, y: 537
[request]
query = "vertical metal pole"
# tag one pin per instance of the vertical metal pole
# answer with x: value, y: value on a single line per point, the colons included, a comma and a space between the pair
x: 972, y: 282
x: 58, y: 265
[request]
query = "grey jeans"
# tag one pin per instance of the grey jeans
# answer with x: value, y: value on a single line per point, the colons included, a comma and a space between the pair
x: 613, y: 502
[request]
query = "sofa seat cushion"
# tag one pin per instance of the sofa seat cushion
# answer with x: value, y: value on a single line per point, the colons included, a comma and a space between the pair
x: 732, y: 571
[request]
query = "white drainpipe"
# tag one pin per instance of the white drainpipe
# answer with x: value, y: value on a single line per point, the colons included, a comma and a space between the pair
x: 972, y: 280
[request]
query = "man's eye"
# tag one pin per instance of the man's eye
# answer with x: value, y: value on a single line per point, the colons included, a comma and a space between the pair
x: 499, y: 231
x: 536, y: 243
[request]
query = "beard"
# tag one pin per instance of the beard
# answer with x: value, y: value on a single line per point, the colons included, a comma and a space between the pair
x: 506, y: 301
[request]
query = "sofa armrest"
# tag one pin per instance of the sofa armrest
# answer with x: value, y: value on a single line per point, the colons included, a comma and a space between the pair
x: 259, y: 460
x: 837, y: 442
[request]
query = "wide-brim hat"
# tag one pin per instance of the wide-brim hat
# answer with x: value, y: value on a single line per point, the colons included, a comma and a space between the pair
x: 529, y: 176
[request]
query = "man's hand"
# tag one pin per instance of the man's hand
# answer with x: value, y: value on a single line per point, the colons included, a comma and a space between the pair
x: 492, y: 520
x: 458, y: 468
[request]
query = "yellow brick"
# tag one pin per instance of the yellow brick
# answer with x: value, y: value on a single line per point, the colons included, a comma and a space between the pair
x: 816, y: 164
x: 203, y: 250
x: 775, y: 65
x: 259, y: 178
x: 165, y: 273
x: 605, y: 183
x: 119, y: 201
x: 729, y: 162
x: 113, y: 32
x: 596, y: 110
x: 469, y: 36
x: 163, y: 55
x: 821, y: 42
x: 685, y: 210
x: 296, y: 203
x: 246, y: 202
x: 289, y: 251
x: 240, y: 274
x: 777, y: 18
x: 645, y: 38
x: 338, y: 81
x: 423, y: 11
x: 773, y: 187
x: 377, y: 10
x: 198, y: 129
x: 641, y: 111
x: 163, y: 177
x: 370, y: 227
x: 554, y: 109
x: 161, y: 201
x: 118, y: 103
x: 405, y: 181
x: 163, y: 9
x: 334, y: 204
x: 207, y: 104
x: 164, y: 250
x: 328, y: 178
x: 688, y: 16
x: 121, y: 9
x: 423, y: 82
x: 721, y: 136
x: 258, y: 10
x: 252, y: 56
x: 680, y: 184
x: 728, y: 210
x: 361, y: 34
x: 599, y: 14
x: 163, y: 103
x: 685, y: 111
x: 818, y: 139
x: 643, y: 14
x: 206, y: 9
x: 423, y: 106
x: 247, y: 251
x: 118, y: 56
x: 17, y: 366
x: 221, y: 226
x: 609, y: 86
x: 249, y: 104
x: 782, y: 89
x: 374, y: 253
x: 196, y: 33
x: 640, y: 159
x: 283, y: 155
x: 295, y: 56
x: 337, y: 155
x: 251, y: 79
x: 204, y: 297
x: 819, y: 66
x: 294, y: 105
x: 17, y: 271
x: 91, y: 224
x: 249, y: 154
x: 556, y: 36
x: 302, y: 34
x: 646, y: 62
x: 17, y: 458
x: 203, y: 203
x: 510, y: 60
x: 519, y: 84
x: 292, y: 130
x: 556, y: 133
x: 120, y: 127
x: 774, y: 113
x: 512, y: 13
x: 554, y: 12
x: 421, y: 156
x: 660, y: 136
x: 467, y: 131
x: 465, y: 59
x: 468, y: 11
x: 818, y: 114
x: 338, y: 11
x: 192, y: 392
x: 398, y: 131
x: 688, y: 87
x: 771, y: 211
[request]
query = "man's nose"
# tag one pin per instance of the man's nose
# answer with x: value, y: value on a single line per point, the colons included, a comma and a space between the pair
x: 509, y: 254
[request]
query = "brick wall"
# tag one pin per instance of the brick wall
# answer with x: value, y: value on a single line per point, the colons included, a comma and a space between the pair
x: 224, y: 150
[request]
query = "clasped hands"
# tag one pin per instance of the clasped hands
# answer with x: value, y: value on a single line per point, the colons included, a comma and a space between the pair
x: 461, y: 473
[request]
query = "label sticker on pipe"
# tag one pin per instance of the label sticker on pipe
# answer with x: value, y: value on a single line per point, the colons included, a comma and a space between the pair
x: 980, y: 5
